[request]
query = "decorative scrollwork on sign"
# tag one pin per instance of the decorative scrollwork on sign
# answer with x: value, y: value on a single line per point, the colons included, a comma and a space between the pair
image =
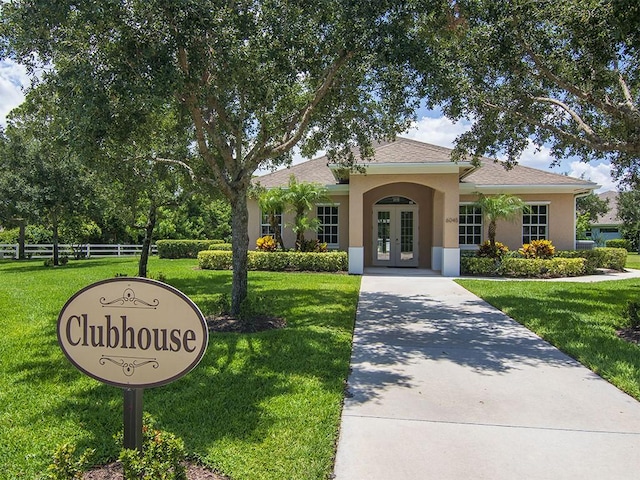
x: 129, y: 364
x: 129, y: 300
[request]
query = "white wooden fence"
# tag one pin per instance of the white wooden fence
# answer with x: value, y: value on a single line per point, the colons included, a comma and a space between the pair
x: 87, y: 250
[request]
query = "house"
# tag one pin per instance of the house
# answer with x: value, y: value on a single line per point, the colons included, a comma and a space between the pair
x: 413, y: 206
x: 607, y: 226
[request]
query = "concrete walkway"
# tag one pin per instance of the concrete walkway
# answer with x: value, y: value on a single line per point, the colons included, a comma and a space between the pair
x: 444, y: 386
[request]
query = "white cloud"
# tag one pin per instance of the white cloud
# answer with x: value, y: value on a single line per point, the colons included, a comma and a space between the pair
x: 438, y: 131
x: 12, y: 79
x: 598, y: 173
x: 442, y: 131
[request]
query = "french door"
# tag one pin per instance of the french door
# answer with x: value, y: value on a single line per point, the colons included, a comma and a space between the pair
x: 395, y: 235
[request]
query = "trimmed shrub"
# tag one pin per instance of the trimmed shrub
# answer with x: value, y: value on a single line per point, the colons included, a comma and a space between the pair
x: 221, y: 246
x: 619, y: 243
x: 272, y: 261
x: 478, y: 266
x: 277, y: 261
x: 181, y: 248
x: 215, y: 260
x: 594, y: 258
x: 542, y: 268
x: 537, y: 249
x: 614, y: 258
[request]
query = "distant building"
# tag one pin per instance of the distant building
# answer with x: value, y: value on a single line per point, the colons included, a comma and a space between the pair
x: 607, y: 226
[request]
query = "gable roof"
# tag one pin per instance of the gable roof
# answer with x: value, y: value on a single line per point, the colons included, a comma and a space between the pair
x: 611, y: 217
x: 411, y: 156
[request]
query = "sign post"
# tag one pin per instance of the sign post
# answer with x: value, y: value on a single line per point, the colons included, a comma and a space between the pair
x: 132, y: 333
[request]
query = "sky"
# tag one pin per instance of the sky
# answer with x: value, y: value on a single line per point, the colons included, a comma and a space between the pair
x: 431, y: 127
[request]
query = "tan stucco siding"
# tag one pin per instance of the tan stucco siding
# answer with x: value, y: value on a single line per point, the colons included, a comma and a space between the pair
x: 435, y: 194
x: 289, y: 238
x: 561, y: 221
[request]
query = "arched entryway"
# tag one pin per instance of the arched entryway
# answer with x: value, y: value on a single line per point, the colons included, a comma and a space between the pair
x: 395, y: 232
x: 398, y: 225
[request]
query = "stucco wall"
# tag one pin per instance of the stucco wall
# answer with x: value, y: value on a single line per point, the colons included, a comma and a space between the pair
x: 561, y: 217
x: 289, y: 238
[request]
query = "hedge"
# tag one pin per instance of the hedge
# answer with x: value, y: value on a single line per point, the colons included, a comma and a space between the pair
x: 277, y: 261
x: 478, y: 266
x: 613, y: 258
x: 619, y: 243
x: 227, y: 247
x: 545, y: 268
x: 182, y: 248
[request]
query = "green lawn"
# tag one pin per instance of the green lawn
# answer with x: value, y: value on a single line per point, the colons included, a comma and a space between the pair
x: 633, y: 260
x: 259, y: 406
x: 579, y: 318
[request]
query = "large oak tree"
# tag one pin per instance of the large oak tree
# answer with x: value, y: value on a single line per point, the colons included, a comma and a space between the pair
x: 564, y: 74
x: 256, y: 77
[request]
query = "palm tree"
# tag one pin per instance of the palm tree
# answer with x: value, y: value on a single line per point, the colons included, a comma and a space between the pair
x: 272, y: 203
x: 301, y: 197
x: 499, y: 207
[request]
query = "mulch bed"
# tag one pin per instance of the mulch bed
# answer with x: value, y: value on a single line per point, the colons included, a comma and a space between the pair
x: 113, y: 471
x: 630, y: 334
x: 260, y: 323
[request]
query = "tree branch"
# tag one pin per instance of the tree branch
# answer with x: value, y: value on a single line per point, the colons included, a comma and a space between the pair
x: 298, y: 126
x: 582, y: 125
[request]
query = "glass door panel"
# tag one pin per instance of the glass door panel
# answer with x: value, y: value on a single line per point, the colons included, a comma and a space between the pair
x: 383, y: 236
x: 395, y: 236
x: 407, y: 232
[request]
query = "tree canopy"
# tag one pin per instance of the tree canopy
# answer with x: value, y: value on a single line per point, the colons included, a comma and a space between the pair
x: 256, y: 77
x: 564, y: 74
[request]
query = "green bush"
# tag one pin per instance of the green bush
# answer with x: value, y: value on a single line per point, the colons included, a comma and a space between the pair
x: 277, y: 261
x: 542, y: 268
x: 66, y: 466
x: 161, y: 458
x: 478, y: 265
x: 632, y: 313
x: 181, y: 248
x: 619, y: 243
x: 220, y: 246
x: 594, y: 258
x: 614, y: 258
x: 215, y: 260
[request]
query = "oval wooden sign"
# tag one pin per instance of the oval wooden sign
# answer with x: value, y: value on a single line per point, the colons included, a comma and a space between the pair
x: 132, y: 332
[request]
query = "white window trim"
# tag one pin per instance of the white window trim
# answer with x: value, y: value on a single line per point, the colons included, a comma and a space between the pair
x: 469, y: 246
x: 262, y: 224
x: 337, y: 205
x: 532, y: 203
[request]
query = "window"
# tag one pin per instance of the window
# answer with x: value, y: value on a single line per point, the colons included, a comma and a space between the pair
x: 328, y: 218
x: 265, y: 226
x: 469, y: 225
x: 535, y: 223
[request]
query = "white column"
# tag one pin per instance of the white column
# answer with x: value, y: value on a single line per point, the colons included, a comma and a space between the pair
x: 451, y: 262
x: 356, y: 260
x: 436, y: 258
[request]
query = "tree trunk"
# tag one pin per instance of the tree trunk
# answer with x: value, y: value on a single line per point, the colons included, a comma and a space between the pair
x: 240, y: 245
x: 275, y: 226
x: 492, y: 234
x: 146, y: 242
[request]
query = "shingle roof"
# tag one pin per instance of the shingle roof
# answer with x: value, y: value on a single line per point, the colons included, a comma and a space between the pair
x: 611, y: 217
x: 494, y: 173
x: 404, y: 151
